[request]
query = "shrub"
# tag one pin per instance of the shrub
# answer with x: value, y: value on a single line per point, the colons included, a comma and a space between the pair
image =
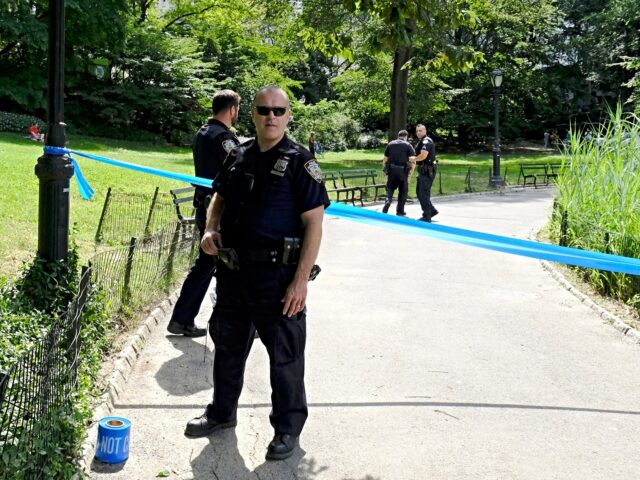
x: 371, y: 139
x: 335, y: 129
x: 16, y: 122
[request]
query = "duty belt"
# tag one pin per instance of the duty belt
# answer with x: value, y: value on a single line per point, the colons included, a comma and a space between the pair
x: 286, y: 254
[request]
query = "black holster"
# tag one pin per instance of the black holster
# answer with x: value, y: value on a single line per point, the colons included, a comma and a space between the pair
x: 202, y: 198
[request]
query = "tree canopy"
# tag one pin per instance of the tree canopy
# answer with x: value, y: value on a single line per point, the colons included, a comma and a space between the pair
x: 148, y: 68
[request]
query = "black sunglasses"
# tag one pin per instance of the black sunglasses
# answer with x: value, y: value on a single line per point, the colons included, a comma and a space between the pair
x: 277, y: 111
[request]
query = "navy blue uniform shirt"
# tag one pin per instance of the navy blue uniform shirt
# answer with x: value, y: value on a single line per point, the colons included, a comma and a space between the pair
x: 430, y: 147
x: 398, y: 151
x: 211, y: 145
x: 266, y: 192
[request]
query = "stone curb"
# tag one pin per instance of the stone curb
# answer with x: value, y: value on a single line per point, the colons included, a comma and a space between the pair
x: 613, y: 320
x: 610, y: 318
x: 123, y: 365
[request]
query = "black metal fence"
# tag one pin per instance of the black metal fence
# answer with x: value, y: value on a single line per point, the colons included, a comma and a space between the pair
x: 125, y: 215
x: 37, y: 392
x: 131, y: 275
x: 450, y: 179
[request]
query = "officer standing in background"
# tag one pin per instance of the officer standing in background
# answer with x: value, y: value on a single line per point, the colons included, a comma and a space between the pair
x: 426, y: 163
x: 265, y: 226
x: 398, y: 164
x: 211, y: 145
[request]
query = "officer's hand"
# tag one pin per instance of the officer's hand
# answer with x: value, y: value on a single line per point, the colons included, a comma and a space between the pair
x: 295, y: 298
x: 210, y: 242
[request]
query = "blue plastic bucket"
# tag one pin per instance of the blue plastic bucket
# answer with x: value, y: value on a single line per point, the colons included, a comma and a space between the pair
x: 113, y: 440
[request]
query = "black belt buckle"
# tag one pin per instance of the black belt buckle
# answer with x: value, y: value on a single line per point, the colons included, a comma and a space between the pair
x: 229, y: 257
x: 291, y: 250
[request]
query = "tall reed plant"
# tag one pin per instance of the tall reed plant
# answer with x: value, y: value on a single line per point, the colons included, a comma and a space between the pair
x: 599, y: 198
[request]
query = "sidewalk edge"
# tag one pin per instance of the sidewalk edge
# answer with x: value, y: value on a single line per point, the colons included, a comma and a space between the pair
x: 613, y: 320
x: 123, y: 365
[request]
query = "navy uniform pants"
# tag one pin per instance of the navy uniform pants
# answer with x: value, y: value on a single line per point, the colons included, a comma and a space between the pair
x: 397, y: 179
x: 196, y: 284
x: 423, y: 191
x: 250, y: 299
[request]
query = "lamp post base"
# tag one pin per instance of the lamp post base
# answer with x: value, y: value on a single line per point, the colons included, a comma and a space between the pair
x: 496, y: 182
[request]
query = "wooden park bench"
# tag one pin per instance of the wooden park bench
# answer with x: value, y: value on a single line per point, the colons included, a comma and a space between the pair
x: 533, y: 172
x: 553, y: 170
x: 369, y: 177
x: 180, y: 196
x: 335, y: 184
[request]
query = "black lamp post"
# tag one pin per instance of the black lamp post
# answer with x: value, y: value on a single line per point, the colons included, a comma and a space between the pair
x: 496, y: 81
x: 54, y: 171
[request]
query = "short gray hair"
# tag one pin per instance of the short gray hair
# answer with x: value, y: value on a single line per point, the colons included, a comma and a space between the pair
x: 269, y: 88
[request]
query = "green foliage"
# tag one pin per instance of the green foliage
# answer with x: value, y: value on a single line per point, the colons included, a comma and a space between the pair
x: 329, y: 120
x: 47, y: 286
x: 365, y: 88
x: 15, y: 122
x: 59, y: 431
x: 58, y: 436
x: 158, y: 85
x: 599, y: 190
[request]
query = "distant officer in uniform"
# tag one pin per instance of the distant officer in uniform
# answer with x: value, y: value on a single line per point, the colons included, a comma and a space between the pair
x: 426, y: 163
x: 398, y: 164
x: 265, y: 226
x: 211, y: 145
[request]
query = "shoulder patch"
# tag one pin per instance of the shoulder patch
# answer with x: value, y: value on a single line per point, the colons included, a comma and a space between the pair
x: 229, y: 145
x: 314, y: 170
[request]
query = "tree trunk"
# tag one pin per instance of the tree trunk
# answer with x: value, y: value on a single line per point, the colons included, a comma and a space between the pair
x: 399, y: 85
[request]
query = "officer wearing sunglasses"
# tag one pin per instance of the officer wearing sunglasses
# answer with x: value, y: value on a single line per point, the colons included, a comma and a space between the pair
x: 265, y: 222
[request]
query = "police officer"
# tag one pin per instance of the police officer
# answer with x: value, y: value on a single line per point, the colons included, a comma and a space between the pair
x: 265, y: 226
x: 211, y: 145
x: 398, y: 164
x: 426, y: 163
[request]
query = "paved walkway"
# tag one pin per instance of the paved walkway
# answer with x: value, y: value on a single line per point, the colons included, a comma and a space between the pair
x: 426, y: 360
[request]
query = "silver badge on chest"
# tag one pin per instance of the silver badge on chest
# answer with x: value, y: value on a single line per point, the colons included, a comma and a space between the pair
x: 280, y: 167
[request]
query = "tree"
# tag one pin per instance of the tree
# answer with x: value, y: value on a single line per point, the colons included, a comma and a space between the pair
x: 395, y: 28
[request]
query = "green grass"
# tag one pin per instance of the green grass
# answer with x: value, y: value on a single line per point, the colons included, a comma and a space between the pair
x: 452, y: 168
x: 19, y: 205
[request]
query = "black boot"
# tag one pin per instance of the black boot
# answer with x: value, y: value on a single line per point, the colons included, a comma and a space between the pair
x: 203, y: 425
x: 281, y: 447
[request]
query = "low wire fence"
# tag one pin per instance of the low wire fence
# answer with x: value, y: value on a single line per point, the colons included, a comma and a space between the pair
x: 450, y: 179
x: 36, y: 394
x: 37, y: 400
x: 125, y: 215
x: 130, y: 276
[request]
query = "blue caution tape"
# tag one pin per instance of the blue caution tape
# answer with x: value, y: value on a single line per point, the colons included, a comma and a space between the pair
x: 113, y: 439
x: 526, y: 248
x: 87, y: 192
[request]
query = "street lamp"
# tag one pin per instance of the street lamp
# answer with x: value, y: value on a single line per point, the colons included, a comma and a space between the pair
x: 54, y: 170
x: 496, y: 81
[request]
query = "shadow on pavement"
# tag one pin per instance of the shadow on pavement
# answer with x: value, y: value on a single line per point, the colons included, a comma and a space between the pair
x: 189, y: 373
